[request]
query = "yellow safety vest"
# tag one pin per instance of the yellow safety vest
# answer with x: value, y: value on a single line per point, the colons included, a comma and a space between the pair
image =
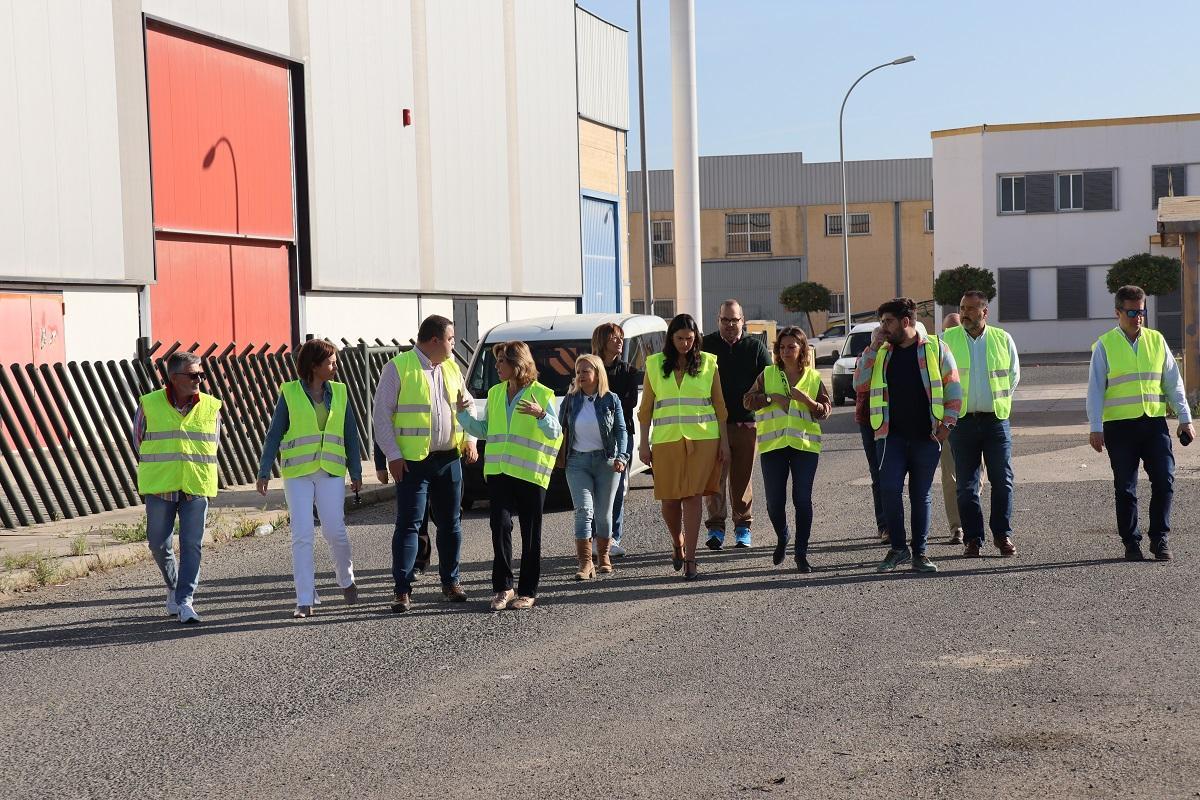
x: 178, y: 453
x: 683, y: 410
x: 413, y: 418
x: 519, y: 448
x: 999, y: 366
x: 933, y: 362
x: 1134, y: 387
x: 306, y: 448
x: 793, y: 426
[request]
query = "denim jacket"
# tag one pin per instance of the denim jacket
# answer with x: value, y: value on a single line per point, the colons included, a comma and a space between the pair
x: 609, y: 415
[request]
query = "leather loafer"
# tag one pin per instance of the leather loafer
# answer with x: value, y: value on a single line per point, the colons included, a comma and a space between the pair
x: 1005, y: 545
x: 971, y: 549
x: 454, y: 594
x: 401, y: 603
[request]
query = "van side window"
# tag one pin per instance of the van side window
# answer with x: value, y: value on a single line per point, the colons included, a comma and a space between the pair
x: 643, y: 347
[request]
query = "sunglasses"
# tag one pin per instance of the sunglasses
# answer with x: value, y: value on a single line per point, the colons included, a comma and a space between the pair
x: 195, y: 376
x: 1134, y: 313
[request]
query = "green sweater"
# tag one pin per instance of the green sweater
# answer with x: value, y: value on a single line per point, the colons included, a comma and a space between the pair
x: 740, y: 364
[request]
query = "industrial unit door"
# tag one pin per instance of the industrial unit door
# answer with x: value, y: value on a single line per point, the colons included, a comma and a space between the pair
x: 221, y: 160
x: 601, y: 269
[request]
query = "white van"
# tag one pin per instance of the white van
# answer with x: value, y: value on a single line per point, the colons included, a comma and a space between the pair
x: 842, y: 381
x: 554, y: 343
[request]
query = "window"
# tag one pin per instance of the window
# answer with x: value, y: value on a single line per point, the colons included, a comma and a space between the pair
x: 555, y: 363
x: 837, y: 303
x: 1012, y: 194
x: 662, y: 241
x: 663, y: 308
x: 929, y: 220
x: 1072, y: 292
x: 860, y: 224
x: 1013, y: 293
x: 747, y: 234
x: 1169, y: 181
x: 1070, y: 191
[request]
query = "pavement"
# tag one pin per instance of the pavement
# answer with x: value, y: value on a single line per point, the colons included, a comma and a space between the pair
x: 1062, y: 672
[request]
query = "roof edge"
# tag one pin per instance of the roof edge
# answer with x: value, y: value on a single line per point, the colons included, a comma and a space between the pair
x: 1074, y: 123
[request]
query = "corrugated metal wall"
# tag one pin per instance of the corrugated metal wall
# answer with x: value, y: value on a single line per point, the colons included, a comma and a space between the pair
x: 600, y: 287
x: 755, y: 283
x: 265, y: 24
x: 603, y: 91
x: 780, y: 179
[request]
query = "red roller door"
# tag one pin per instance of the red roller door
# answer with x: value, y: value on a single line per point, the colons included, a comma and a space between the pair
x: 220, y: 145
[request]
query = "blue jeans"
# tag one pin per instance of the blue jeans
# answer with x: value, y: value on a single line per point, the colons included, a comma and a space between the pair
x: 983, y: 437
x: 1148, y: 441
x: 160, y: 535
x: 801, y: 466
x: 434, y: 482
x: 868, y: 443
x: 593, y: 483
x: 917, y: 459
x: 619, y: 499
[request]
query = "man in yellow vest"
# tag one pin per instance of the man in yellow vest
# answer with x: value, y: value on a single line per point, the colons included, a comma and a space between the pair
x: 949, y: 479
x: 1133, y: 378
x: 414, y: 425
x: 176, y: 431
x: 988, y: 369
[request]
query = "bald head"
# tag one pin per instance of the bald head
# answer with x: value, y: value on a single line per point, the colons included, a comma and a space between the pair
x: 952, y: 320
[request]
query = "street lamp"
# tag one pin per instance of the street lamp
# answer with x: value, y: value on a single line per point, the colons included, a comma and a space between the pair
x: 845, y: 210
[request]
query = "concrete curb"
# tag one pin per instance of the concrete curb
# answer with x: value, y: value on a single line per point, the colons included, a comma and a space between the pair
x: 18, y: 582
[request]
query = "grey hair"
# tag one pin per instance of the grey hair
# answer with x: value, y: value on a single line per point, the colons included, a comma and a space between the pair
x: 178, y: 361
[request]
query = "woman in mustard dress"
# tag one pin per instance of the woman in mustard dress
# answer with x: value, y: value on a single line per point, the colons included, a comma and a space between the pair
x: 682, y: 419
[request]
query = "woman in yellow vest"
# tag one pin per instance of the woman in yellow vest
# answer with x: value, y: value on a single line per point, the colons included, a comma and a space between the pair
x: 315, y: 434
x: 682, y: 436
x: 787, y: 400
x: 523, y: 435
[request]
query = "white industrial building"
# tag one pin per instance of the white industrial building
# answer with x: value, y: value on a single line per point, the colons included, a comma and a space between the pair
x: 258, y: 170
x: 1050, y: 206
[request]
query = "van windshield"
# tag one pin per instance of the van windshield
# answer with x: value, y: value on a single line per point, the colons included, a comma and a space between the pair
x: 856, y: 344
x: 555, y: 363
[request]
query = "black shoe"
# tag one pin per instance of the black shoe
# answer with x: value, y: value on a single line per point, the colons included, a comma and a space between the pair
x: 780, y: 551
x: 802, y: 565
x: 1161, y: 550
x: 1133, y: 552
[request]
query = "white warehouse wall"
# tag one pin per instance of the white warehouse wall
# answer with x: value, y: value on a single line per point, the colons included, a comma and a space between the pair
x: 100, y: 322
x: 365, y: 316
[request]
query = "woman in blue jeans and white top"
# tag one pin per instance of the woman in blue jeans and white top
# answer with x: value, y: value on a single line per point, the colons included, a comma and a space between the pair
x: 597, y: 449
x: 788, y: 400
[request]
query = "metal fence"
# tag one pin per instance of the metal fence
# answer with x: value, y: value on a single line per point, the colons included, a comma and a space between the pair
x: 66, y: 447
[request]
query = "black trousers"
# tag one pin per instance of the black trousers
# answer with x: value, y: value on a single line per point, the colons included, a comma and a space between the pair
x: 508, y: 497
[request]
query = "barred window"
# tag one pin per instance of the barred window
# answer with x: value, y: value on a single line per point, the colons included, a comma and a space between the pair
x: 662, y: 233
x: 860, y: 224
x: 747, y: 234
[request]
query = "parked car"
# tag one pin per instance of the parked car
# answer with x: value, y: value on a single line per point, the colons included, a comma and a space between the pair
x: 828, y: 345
x: 842, y: 381
x: 555, y: 342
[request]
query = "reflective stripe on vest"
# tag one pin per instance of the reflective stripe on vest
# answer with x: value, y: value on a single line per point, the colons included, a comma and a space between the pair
x: 519, y: 449
x: 999, y: 366
x: 305, y: 448
x: 683, y: 410
x: 1134, y: 387
x: 178, y: 453
x: 793, y: 427
x: 413, y: 417
x: 933, y: 363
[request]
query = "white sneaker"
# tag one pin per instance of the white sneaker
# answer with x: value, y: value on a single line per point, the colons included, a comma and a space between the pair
x: 615, y: 550
x: 172, y: 606
x: 187, y: 614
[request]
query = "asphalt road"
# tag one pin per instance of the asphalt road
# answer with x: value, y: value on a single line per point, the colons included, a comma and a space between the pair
x: 1063, y: 672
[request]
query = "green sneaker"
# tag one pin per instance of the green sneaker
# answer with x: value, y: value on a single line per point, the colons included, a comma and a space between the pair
x: 923, y: 563
x: 893, y: 559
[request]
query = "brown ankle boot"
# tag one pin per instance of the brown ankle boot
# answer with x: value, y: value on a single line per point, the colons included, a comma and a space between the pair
x: 603, y: 561
x: 583, y: 551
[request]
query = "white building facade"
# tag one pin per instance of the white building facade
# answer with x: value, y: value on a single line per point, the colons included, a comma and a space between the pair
x: 1049, y: 207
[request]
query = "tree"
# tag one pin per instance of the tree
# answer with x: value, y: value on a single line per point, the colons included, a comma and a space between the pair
x: 805, y: 297
x: 951, y: 285
x: 1155, y: 274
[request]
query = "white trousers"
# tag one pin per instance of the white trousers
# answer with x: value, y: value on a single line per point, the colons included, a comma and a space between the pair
x: 329, y: 494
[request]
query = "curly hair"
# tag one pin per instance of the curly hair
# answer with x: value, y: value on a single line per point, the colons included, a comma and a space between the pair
x: 525, y: 371
x: 800, y: 337
x: 671, y: 355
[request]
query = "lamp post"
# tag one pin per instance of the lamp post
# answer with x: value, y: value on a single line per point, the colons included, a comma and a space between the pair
x: 845, y: 204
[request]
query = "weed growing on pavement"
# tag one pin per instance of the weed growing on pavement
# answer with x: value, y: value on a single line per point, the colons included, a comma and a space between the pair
x: 135, y: 532
x: 280, y: 521
x: 21, y: 560
x: 44, y: 571
x: 244, y: 527
x: 79, y: 545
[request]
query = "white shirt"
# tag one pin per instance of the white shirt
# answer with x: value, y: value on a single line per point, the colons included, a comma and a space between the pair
x: 587, y: 427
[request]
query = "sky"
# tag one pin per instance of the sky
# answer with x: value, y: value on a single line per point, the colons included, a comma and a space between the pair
x: 771, y: 74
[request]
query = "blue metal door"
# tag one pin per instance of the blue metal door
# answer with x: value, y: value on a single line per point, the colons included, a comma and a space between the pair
x: 601, y: 273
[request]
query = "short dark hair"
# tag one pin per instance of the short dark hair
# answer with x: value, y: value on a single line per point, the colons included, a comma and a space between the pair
x: 1129, y: 293
x: 899, y: 307
x: 312, y: 354
x: 179, y: 360
x: 975, y: 293
x: 433, y: 327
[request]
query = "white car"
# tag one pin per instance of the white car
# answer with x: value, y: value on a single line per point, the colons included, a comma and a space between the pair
x: 842, y: 387
x: 828, y: 345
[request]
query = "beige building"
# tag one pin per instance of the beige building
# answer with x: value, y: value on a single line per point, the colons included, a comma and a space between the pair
x: 769, y: 221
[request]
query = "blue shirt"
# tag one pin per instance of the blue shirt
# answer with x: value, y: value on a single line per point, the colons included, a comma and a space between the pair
x: 548, y: 425
x: 979, y: 393
x: 281, y: 420
x: 1098, y: 382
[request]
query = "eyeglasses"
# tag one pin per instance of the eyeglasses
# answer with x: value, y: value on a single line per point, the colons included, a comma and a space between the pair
x: 195, y: 376
x: 1134, y: 313
x: 730, y: 320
